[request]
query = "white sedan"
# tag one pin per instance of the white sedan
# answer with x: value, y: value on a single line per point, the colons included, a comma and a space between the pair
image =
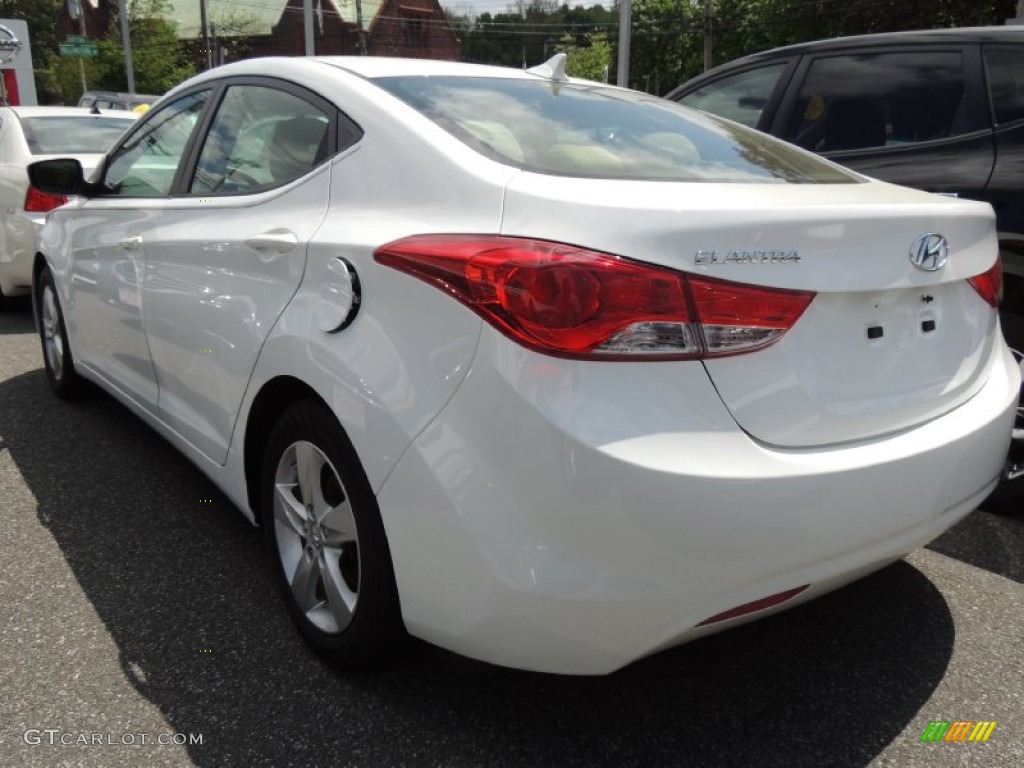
x: 28, y: 134
x: 549, y: 373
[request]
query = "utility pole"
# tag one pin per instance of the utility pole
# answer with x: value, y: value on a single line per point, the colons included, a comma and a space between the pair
x: 359, y: 26
x: 707, y: 35
x: 206, y: 34
x: 75, y: 11
x: 625, y: 25
x: 126, y: 42
x: 307, y: 27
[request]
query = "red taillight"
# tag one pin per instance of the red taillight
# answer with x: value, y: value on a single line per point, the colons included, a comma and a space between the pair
x: 989, y: 284
x: 40, y: 202
x: 565, y: 300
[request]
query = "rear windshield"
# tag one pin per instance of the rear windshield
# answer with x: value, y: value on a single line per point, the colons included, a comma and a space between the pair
x: 82, y: 134
x: 594, y: 131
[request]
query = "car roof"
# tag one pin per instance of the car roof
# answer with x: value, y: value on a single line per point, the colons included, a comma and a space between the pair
x: 384, y: 66
x: 957, y: 35
x: 368, y: 67
x: 118, y: 95
x: 68, y: 112
x: 916, y: 37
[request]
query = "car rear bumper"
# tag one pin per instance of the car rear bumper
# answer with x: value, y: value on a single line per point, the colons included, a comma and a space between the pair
x: 561, y: 518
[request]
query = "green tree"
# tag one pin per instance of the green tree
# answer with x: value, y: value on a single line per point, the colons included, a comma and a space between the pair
x: 160, y: 60
x: 666, y: 45
x: 589, y: 57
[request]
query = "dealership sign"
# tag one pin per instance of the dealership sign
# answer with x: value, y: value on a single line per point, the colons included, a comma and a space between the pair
x: 9, y: 45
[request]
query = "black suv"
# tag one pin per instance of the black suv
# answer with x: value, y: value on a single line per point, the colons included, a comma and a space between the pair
x: 940, y: 110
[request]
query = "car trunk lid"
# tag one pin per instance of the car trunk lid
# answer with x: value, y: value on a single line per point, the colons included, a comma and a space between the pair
x: 884, y: 344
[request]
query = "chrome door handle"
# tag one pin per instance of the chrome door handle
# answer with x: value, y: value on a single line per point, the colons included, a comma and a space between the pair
x: 131, y: 243
x: 276, y: 240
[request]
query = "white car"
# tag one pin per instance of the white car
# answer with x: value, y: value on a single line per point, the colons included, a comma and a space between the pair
x: 546, y: 372
x: 28, y: 134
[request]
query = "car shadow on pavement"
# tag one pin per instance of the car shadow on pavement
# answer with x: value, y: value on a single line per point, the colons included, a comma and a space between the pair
x: 179, y: 579
x: 17, y: 315
x: 992, y: 540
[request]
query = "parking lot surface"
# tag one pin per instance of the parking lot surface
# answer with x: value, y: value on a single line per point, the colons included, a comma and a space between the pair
x: 141, y: 627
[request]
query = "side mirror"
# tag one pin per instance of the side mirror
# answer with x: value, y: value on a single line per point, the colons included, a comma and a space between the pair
x: 63, y: 176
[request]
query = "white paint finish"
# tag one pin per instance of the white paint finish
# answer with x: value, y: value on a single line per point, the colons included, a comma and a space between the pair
x: 827, y: 382
x: 850, y: 237
x: 517, y: 541
x: 212, y: 297
x: 103, y: 307
x: 389, y: 373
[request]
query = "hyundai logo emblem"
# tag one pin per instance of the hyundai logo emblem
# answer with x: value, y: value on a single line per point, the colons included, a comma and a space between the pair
x: 930, y: 252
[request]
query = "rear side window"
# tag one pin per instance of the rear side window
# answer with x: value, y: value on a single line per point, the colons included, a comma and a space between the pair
x: 868, y: 101
x: 1006, y: 83
x: 589, y: 130
x: 741, y: 97
x: 260, y: 138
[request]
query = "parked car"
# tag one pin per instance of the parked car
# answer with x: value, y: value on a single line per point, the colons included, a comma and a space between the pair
x: 549, y: 373
x: 940, y: 110
x: 33, y: 133
x: 130, y: 102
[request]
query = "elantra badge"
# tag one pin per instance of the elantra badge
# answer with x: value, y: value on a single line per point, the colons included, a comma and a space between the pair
x: 930, y: 252
x: 781, y: 256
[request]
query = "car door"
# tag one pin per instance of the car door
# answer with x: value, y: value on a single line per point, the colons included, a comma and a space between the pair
x: 224, y: 261
x: 107, y: 267
x: 1005, y: 71
x: 907, y: 116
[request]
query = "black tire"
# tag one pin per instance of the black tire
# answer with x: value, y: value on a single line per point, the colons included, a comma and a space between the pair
x: 57, y: 359
x: 318, y: 562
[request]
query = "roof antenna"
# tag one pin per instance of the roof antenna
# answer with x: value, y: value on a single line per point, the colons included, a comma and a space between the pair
x: 552, y: 69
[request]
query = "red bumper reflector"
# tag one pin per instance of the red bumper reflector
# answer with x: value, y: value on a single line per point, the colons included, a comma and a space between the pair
x: 756, y: 605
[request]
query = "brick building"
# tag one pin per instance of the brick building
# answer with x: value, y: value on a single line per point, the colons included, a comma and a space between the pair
x: 413, y: 28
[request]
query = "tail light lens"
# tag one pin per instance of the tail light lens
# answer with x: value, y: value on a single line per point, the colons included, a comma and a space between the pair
x: 564, y: 300
x: 989, y: 285
x: 38, y: 201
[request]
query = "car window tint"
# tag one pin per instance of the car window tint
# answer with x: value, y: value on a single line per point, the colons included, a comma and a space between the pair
x: 589, y: 130
x: 78, y: 135
x: 1006, y: 83
x: 261, y: 137
x: 867, y: 101
x: 741, y: 97
x: 145, y: 165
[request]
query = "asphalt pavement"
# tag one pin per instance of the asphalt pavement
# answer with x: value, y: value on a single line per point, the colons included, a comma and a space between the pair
x: 141, y: 628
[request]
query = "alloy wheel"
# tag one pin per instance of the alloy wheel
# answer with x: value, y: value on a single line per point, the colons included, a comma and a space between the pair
x: 317, y: 540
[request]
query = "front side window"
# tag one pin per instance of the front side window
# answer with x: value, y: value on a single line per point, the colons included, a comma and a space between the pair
x: 145, y: 165
x: 871, y: 101
x: 741, y: 97
x: 1006, y: 83
x: 589, y: 130
x: 261, y: 137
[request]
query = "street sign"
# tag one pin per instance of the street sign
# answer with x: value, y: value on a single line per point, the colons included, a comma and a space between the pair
x: 82, y: 51
x: 76, y: 40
